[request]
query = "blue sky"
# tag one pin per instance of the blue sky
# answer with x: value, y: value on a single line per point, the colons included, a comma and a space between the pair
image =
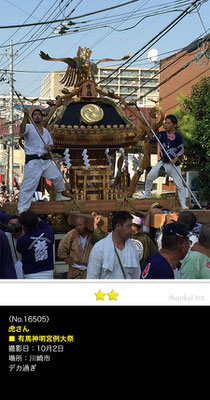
x: 104, y: 41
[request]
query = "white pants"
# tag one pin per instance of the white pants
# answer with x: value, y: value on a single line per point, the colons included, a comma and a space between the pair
x: 40, y: 275
x: 33, y: 171
x: 170, y: 171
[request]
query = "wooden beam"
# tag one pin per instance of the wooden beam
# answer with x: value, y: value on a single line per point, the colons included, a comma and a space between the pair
x: 58, y: 207
x: 203, y: 216
x: 107, y: 206
x: 157, y: 220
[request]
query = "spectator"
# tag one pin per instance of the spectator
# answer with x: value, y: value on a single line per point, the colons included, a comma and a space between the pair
x: 36, y: 247
x: 186, y: 218
x: 7, y: 270
x: 4, y: 218
x: 144, y: 244
x: 2, y: 198
x: 189, y: 219
x: 75, y: 249
x: 175, y: 245
x: 197, y: 263
x: 115, y: 256
x: 13, y: 232
x: 148, y: 246
x: 14, y: 196
x: 3, y: 187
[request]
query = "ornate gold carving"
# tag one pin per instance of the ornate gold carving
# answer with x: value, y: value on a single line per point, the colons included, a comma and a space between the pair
x: 91, y: 113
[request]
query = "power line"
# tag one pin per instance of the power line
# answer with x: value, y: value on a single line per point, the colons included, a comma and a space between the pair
x: 145, y: 48
x: 137, y: 53
x: 121, y: 22
x: 205, y: 52
x: 155, y: 11
x: 201, y: 20
x: 25, y: 35
x: 87, y: 28
x: 66, y: 19
x: 44, y: 29
x: 156, y: 74
x: 47, y: 72
x: 36, y: 33
x: 30, y: 15
x: 186, y: 83
x: 96, y: 25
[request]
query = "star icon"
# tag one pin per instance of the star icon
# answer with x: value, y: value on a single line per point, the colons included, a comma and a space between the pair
x: 112, y: 295
x: 100, y: 295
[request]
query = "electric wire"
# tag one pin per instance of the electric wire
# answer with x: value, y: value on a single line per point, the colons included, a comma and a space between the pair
x: 162, y: 70
x: 20, y: 54
x: 39, y: 39
x: 47, y: 72
x: 154, y: 40
x: 30, y: 15
x: 42, y: 31
x: 25, y: 48
x: 24, y: 36
x: 43, y: 39
x: 122, y: 20
x: 66, y: 19
x: 145, y: 14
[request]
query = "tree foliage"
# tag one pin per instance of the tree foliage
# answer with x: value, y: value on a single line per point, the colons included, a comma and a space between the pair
x: 194, y: 124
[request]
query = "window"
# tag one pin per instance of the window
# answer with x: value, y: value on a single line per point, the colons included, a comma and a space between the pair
x: 130, y: 73
x: 129, y: 81
x: 106, y: 72
x: 148, y: 73
x: 125, y: 89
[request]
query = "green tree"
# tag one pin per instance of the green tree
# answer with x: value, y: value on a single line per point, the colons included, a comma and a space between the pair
x: 194, y: 124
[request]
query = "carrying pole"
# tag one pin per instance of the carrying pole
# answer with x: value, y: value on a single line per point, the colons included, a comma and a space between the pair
x: 51, y: 155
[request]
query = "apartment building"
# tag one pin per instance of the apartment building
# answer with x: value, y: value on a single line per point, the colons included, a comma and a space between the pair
x: 132, y: 84
x: 51, y: 86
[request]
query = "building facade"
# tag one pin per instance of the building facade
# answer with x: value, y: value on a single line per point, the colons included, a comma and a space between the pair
x: 132, y: 84
x: 51, y: 86
x: 182, y: 70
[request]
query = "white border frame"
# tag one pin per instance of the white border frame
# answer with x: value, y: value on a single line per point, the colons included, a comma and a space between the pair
x: 82, y: 292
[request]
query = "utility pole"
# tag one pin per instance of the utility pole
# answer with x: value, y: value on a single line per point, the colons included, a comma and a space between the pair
x: 11, y: 117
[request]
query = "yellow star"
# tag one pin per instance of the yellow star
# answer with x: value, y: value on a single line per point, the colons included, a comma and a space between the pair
x: 112, y: 295
x: 100, y: 295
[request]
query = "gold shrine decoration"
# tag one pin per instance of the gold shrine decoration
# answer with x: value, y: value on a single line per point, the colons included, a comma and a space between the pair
x: 90, y: 130
x: 88, y: 89
x: 80, y: 67
x: 91, y: 113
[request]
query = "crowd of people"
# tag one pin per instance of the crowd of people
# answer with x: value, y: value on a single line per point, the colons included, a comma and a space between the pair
x: 179, y: 249
x: 132, y: 250
x: 7, y: 198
